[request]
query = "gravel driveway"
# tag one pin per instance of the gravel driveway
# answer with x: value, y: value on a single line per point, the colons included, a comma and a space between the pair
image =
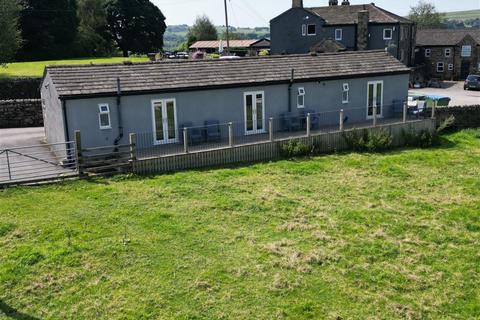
x: 455, y: 91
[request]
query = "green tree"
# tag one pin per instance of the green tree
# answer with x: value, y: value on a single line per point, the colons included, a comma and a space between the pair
x: 234, y: 36
x: 135, y: 25
x: 10, y: 36
x: 93, y: 38
x: 49, y: 28
x: 202, y: 29
x: 426, y: 16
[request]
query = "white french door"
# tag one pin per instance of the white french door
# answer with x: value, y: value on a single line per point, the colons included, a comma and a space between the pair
x: 164, y: 115
x: 254, y: 112
x: 375, y: 98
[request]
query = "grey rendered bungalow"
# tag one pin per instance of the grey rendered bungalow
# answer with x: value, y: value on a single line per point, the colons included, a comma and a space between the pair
x: 106, y: 102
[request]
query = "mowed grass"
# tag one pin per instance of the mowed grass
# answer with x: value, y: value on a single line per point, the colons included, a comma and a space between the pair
x: 36, y: 68
x: 350, y: 236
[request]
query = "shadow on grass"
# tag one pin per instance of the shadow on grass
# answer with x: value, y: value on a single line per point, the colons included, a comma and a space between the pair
x: 13, y: 313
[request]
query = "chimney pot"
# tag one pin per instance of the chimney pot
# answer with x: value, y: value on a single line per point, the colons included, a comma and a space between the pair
x: 345, y: 3
x: 333, y: 2
x: 297, y: 4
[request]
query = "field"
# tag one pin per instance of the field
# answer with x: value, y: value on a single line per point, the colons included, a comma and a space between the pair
x: 463, y: 15
x: 35, y: 69
x: 347, y: 236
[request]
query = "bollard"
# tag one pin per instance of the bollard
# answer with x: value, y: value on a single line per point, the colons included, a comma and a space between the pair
x: 270, y: 128
x: 78, y: 152
x: 433, y: 109
x: 309, y: 125
x: 185, y: 140
x: 342, y: 116
x: 230, y: 134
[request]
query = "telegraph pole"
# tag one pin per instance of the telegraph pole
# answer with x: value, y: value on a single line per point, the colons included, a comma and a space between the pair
x: 226, y: 21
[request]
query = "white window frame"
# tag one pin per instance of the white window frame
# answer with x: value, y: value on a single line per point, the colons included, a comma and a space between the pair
x: 428, y: 52
x: 465, y: 49
x: 345, y: 93
x: 311, y: 34
x: 450, y: 67
x: 391, y: 34
x: 101, y: 113
x: 301, y: 94
x: 375, y: 83
x: 440, y: 65
x: 154, y: 127
x: 254, y: 114
x: 337, y: 36
x: 304, y: 30
x: 448, y: 53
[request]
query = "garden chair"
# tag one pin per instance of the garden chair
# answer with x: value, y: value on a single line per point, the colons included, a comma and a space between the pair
x: 212, y: 131
x: 195, y: 134
x: 290, y: 122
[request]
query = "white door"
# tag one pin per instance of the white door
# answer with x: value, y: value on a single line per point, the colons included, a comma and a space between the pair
x: 164, y: 114
x: 375, y: 98
x: 254, y: 112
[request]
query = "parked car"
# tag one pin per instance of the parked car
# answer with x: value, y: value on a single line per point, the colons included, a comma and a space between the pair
x: 182, y: 55
x: 472, y: 82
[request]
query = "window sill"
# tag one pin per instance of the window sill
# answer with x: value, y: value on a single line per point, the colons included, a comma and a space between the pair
x: 105, y: 128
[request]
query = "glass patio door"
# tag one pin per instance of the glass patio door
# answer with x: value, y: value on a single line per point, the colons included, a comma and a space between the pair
x: 375, y: 98
x: 254, y: 113
x: 164, y: 121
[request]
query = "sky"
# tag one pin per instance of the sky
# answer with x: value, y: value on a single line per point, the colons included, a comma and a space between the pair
x: 257, y: 13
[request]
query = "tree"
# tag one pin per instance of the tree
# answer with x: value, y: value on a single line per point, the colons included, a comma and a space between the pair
x: 93, y: 38
x: 135, y: 25
x: 202, y: 29
x: 426, y: 16
x: 234, y: 36
x: 49, y: 28
x: 10, y: 36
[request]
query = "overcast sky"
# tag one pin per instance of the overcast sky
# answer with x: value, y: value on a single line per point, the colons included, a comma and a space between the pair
x: 256, y: 13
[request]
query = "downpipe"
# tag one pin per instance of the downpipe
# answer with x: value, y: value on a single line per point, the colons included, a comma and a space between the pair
x: 119, y: 112
x: 292, y: 77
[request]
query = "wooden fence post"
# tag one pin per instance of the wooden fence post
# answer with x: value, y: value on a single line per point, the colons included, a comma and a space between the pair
x: 185, y: 140
x: 230, y: 134
x: 433, y: 109
x: 270, y: 129
x: 405, y: 109
x: 309, y: 125
x: 133, y: 146
x: 374, y: 115
x: 342, y: 116
x: 78, y: 152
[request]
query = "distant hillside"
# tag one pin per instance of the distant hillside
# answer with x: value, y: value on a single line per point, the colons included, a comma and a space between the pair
x: 463, y: 19
x: 175, y: 35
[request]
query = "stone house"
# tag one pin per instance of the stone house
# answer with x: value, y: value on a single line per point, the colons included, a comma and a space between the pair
x: 352, y: 27
x: 448, y: 54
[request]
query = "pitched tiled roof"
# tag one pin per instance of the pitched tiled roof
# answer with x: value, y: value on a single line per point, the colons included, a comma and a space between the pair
x: 445, y: 37
x: 156, y: 77
x: 349, y: 14
x: 213, y: 44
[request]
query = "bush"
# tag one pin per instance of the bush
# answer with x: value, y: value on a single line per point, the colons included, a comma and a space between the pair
x: 422, y: 139
x: 295, y: 148
x: 368, y: 141
x: 213, y: 56
x: 264, y: 53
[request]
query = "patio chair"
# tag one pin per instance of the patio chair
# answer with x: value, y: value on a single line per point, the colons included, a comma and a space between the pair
x: 212, y: 131
x: 195, y: 134
x: 314, y: 119
x: 290, y: 122
x: 418, y: 110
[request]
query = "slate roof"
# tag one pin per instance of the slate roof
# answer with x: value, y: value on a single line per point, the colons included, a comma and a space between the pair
x: 445, y: 37
x: 336, y: 15
x: 214, y: 44
x: 156, y: 77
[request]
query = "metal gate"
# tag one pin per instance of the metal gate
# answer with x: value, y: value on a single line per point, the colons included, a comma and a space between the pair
x: 40, y: 163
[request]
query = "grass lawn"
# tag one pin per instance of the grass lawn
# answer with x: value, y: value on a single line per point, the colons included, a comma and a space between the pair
x: 35, y: 69
x: 349, y: 236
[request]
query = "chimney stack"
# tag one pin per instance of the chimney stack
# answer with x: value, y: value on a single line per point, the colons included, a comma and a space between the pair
x: 333, y: 3
x: 362, y: 30
x: 345, y: 3
x: 297, y: 4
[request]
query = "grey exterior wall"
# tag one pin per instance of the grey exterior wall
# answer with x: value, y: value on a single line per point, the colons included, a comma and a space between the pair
x: 286, y: 35
x: 226, y: 105
x: 52, y: 112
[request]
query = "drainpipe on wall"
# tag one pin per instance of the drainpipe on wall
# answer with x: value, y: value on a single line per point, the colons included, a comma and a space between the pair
x: 292, y: 77
x: 65, y: 120
x: 119, y: 112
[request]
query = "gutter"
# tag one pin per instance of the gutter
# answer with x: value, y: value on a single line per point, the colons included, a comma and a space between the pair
x: 292, y: 76
x: 119, y: 112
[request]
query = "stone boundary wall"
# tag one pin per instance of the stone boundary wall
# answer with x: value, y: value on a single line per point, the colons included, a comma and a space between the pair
x: 465, y: 116
x: 20, y: 88
x: 21, y: 113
